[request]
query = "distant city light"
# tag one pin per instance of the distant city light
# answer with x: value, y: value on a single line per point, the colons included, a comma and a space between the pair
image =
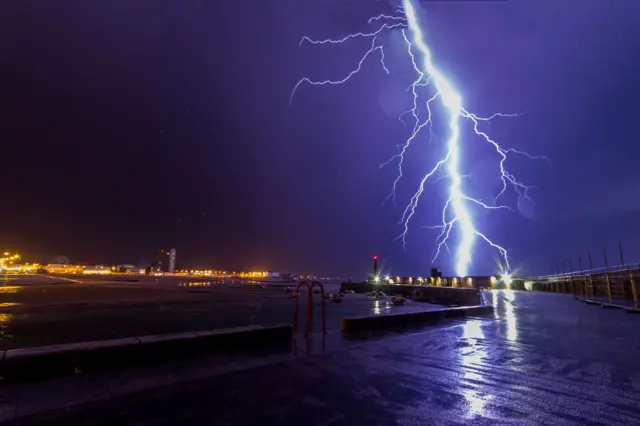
x: 8, y: 260
x: 8, y: 264
x: 97, y: 270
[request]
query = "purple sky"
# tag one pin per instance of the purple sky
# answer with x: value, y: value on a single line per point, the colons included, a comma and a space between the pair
x: 134, y: 126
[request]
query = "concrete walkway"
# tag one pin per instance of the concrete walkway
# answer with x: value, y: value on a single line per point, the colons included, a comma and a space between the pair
x: 543, y: 359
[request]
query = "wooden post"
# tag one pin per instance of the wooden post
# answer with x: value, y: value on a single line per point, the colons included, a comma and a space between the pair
x: 632, y: 278
x: 295, y: 313
x: 573, y: 289
x: 606, y: 275
x: 584, y: 279
x: 590, y: 276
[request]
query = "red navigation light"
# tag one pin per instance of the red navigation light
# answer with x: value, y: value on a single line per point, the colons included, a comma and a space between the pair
x: 375, y: 257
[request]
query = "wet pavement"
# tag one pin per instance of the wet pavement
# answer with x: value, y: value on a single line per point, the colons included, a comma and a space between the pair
x: 543, y: 359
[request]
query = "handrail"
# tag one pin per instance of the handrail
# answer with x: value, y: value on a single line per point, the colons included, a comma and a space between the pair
x: 308, y: 323
x: 595, y: 271
x: 295, y: 315
x: 324, y: 324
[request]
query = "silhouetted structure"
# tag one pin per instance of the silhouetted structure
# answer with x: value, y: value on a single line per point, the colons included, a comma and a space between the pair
x: 172, y: 260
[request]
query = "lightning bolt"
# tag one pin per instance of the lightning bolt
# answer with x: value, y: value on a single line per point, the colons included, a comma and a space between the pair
x: 456, y: 212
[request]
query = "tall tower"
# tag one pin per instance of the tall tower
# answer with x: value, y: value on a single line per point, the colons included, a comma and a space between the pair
x: 375, y: 266
x: 172, y: 260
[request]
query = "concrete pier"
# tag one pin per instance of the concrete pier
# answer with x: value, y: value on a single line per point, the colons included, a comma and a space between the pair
x: 449, y: 296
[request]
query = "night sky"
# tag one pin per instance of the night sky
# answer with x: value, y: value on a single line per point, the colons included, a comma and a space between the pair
x: 132, y: 126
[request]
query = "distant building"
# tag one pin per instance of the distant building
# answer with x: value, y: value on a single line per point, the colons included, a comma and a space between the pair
x: 126, y: 269
x: 155, y: 267
x: 480, y: 281
x: 172, y: 260
x: 436, y: 279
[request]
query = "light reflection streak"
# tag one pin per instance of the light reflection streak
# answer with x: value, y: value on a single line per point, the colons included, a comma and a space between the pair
x: 494, y: 295
x: 472, y: 330
x: 510, y: 315
x: 472, y: 358
x: 507, y: 297
x: 4, y: 320
x: 376, y: 307
x: 510, y: 295
x: 196, y: 284
x: 473, y: 355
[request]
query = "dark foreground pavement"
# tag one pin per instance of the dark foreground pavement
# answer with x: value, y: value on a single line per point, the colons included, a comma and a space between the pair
x: 544, y: 359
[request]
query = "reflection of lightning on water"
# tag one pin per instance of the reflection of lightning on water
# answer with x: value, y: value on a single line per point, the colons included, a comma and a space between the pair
x: 457, y: 212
